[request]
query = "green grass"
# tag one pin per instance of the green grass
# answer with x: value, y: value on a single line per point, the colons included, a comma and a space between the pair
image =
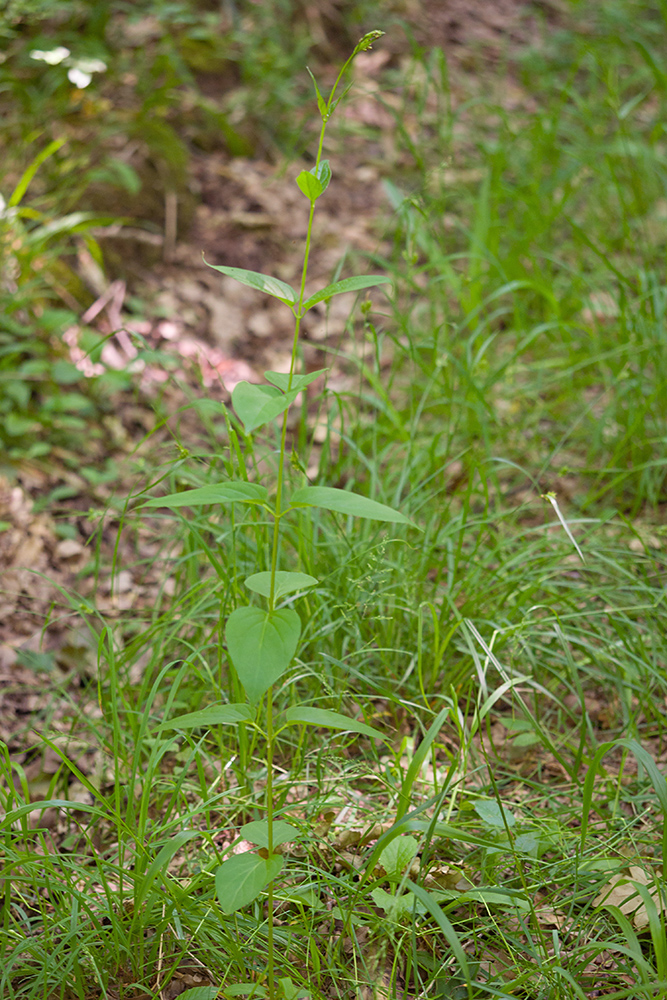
x: 502, y: 662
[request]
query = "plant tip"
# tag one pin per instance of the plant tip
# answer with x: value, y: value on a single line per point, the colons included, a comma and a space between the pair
x: 367, y: 41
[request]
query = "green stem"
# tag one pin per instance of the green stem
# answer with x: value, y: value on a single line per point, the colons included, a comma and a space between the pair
x: 269, y: 821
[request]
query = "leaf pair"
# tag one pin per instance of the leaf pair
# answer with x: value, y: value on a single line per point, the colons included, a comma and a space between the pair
x: 315, y: 181
x: 285, y: 293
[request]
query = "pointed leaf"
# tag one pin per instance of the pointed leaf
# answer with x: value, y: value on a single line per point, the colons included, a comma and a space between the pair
x: 257, y: 833
x: 331, y: 720
x: 321, y: 103
x: 256, y: 405
x: 491, y: 813
x: 346, y: 502
x: 261, y: 645
x: 309, y: 185
x: 286, y: 583
x: 212, y: 715
x: 262, y: 282
x: 346, y: 285
x: 240, y: 879
x: 241, y: 492
x: 323, y: 173
x: 299, y: 382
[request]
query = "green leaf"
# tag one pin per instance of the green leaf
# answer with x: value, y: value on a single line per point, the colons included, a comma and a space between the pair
x: 346, y: 502
x: 331, y: 720
x: 321, y: 103
x: 395, y: 907
x: 262, y: 282
x: 492, y: 896
x: 257, y: 833
x: 299, y: 382
x: 286, y: 583
x: 240, y: 879
x: 199, y: 993
x: 491, y: 813
x: 218, y: 493
x: 309, y: 185
x: 212, y: 715
x: 346, y: 285
x: 252, y: 990
x: 323, y: 173
x: 261, y: 645
x: 256, y: 405
x: 398, y: 855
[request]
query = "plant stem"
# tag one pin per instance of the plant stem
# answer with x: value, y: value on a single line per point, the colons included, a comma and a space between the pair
x: 269, y: 821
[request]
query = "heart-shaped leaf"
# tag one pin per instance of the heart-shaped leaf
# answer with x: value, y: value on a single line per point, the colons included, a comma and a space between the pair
x: 262, y: 282
x: 398, y: 855
x: 346, y: 285
x: 331, y: 720
x: 286, y: 583
x: 235, y: 492
x: 261, y: 645
x: 256, y: 405
x: 212, y: 715
x: 257, y: 833
x: 240, y: 879
x: 346, y: 502
x: 309, y: 185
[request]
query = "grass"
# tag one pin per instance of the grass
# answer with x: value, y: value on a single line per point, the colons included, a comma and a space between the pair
x: 524, y: 352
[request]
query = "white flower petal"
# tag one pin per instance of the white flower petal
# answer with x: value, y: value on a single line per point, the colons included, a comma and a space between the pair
x: 90, y: 65
x: 78, y: 77
x: 50, y: 56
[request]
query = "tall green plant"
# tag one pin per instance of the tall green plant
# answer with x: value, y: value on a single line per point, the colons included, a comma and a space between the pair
x: 262, y: 641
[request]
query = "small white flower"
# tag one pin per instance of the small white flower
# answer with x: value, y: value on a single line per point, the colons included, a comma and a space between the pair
x: 78, y: 77
x: 50, y: 56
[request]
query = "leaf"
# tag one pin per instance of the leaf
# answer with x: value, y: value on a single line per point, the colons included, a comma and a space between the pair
x: 396, y: 907
x: 251, y: 990
x: 491, y: 896
x: 257, y: 833
x: 491, y: 813
x: 323, y: 173
x: 286, y: 583
x: 199, y: 993
x: 331, y: 720
x: 256, y: 405
x: 299, y: 382
x: 321, y: 103
x: 346, y: 502
x: 261, y: 645
x: 346, y: 285
x: 262, y: 282
x: 398, y: 855
x: 212, y: 715
x: 309, y: 185
x: 240, y: 492
x: 240, y: 879
x: 624, y: 892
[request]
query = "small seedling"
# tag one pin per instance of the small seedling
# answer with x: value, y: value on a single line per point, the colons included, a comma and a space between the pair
x: 262, y: 641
